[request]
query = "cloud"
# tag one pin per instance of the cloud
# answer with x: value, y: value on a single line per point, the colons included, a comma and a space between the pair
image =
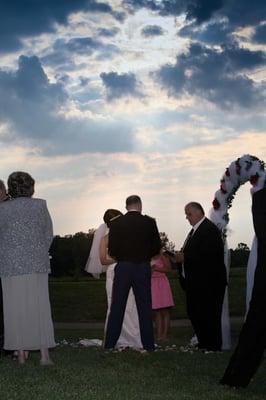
x: 260, y: 34
x: 163, y: 7
x: 215, y: 75
x: 221, y: 17
x: 65, y: 51
x: 30, y: 111
x: 108, y: 32
x: 217, y: 32
x: 238, y: 13
x: 21, y: 19
x: 28, y: 85
x: 120, y: 85
x: 201, y: 10
x: 152, y: 30
x: 209, y: 21
x: 242, y: 58
x: 213, y: 22
x: 244, y: 13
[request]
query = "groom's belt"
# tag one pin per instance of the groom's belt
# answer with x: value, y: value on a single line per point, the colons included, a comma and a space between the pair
x: 133, y: 261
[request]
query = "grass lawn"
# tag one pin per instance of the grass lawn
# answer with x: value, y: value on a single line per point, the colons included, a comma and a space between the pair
x: 92, y: 373
x: 85, y: 300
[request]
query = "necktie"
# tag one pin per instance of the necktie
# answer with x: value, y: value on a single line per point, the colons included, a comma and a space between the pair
x: 187, y: 239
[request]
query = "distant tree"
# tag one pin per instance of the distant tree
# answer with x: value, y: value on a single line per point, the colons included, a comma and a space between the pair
x: 239, y: 256
x: 242, y: 246
x: 69, y: 254
x: 81, y: 244
x: 166, y: 244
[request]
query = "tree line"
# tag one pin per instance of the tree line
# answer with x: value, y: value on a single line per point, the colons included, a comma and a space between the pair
x: 69, y: 253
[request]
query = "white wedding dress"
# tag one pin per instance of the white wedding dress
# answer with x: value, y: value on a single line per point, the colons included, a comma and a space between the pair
x: 130, y: 333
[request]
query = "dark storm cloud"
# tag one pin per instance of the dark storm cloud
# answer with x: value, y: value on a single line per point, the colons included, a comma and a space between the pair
x: 233, y: 14
x: 20, y: 19
x: 238, y: 13
x: 260, y: 34
x: 218, y: 28
x: 30, y: 84
x: 212, y: 33
x: 120, y: 85
x: 215, y: 75
x: 240, y: 58
x: 152, y: 30
x: 201, y: 10
x: 29, y: 105
x: 244, y: 12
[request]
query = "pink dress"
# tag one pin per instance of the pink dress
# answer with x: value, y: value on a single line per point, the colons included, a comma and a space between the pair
x: 161, y: 292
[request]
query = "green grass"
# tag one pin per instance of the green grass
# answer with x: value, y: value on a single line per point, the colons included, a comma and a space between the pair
x: 92, y: 373
x: 85, y: 299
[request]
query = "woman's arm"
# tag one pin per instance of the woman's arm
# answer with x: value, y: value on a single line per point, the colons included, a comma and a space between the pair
x: 104, y: 256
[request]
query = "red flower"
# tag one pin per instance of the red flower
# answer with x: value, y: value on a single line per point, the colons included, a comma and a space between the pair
x: 223, y: 190
x: 216, y: 204
x: 254, y: 179
x: 227, y: 172
x: 238, y: 168
x: 223, y: 187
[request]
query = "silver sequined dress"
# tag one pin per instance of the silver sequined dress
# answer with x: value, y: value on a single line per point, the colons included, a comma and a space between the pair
x: 25, y: 237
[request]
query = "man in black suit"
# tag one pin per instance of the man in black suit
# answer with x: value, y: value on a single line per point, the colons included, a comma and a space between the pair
x: 252, y: 339
x: 205, y: 277
x: 133, y: 240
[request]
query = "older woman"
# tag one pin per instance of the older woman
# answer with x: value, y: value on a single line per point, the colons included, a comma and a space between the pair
x: 25, y: 237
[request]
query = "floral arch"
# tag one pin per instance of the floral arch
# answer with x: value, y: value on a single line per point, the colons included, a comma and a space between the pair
x: 244, y: 169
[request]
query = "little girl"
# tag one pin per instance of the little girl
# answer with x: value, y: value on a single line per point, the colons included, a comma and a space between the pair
x: 161, y: 293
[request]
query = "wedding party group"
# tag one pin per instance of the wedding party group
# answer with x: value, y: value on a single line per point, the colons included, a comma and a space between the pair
x: 128, y: 248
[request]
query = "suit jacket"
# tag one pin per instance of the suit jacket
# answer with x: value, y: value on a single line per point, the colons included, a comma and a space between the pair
x: 259, y: 222
x: 134, y: 237
x: 204, y: 258
x: 26, y: 234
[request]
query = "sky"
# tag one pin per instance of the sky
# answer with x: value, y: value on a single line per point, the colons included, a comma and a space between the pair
x: 103, y: 99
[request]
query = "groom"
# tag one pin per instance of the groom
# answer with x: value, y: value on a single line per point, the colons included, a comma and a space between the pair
x: 133, y: 240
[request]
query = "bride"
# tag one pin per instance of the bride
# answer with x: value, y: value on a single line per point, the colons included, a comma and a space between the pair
x: 130, y: 333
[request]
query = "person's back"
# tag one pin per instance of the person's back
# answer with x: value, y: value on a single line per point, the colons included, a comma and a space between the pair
x: 133, y: 240
x: 26, y: 234
x: 134, y: 237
